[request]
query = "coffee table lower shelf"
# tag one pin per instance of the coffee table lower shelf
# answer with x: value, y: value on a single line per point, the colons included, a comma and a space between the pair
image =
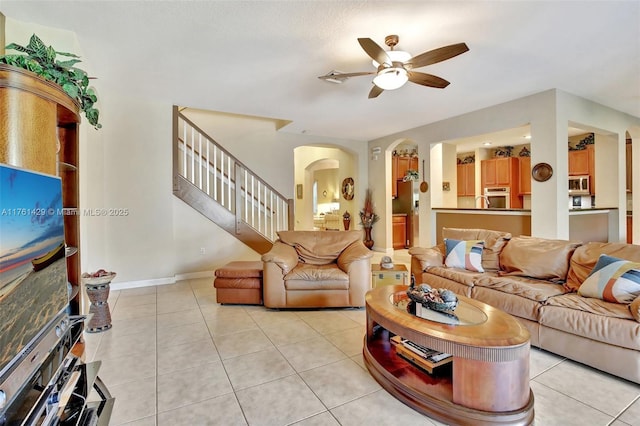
x: 430, y: 394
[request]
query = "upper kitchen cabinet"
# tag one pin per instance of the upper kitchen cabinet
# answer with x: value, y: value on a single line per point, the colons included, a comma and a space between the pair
x: 466, y: 180
x: 579, y: 162
x: 525, y: 175
x: 502, y: 171
x: 405, y: 164
x: 582, y: 163
x: 400, y: 164
x: 629, y: 167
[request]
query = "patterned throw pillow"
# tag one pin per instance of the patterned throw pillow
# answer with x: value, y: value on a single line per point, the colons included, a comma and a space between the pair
x: 613, y: 280
x: 464, y: 254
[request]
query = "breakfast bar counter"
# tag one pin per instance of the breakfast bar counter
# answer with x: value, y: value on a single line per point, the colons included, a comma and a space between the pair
x: 590, y: 224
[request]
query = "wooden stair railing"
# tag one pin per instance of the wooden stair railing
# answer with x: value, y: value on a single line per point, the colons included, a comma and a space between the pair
x: 219, y: 186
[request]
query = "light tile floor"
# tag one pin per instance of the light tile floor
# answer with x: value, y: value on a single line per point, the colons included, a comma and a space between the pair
x: 175, y: 357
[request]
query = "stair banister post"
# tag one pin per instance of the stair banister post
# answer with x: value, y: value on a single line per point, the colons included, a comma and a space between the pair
x: 237, y: 172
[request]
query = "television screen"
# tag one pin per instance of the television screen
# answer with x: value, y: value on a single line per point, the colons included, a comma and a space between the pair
x: 33, y: 270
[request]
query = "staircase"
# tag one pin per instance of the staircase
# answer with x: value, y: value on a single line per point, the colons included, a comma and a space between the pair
x: 216, y: 184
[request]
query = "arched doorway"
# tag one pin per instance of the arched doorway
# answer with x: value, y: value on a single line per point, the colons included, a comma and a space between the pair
x: 319, y: 173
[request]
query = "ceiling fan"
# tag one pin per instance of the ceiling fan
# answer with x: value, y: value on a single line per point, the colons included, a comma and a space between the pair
x: 395, y: 67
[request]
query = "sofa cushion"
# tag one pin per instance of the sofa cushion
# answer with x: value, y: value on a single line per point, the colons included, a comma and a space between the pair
x: 540, y: 258
x: 529, y: 288
x: 316, y: 277
x: 612, y: 279
x: 319, y: 247
x: 464, y: 254
x: 520, y: 307
x: 586, y: 256
x: 494, y: 241
x: 594, y: 319
x: 634, y: 307
x: 461, y: 276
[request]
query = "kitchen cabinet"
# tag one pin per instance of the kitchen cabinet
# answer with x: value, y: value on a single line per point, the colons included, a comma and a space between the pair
x: 399, y: 167
x: 394, y: 174
x: 488, y: 173
x: 502, y: 171
x: 525, y: 175
x: 629, y: 168
x: 399, y: 231
x: 466, y: 180
x: 404, y: 164
x: 579, y: 162
x: 582, y: 163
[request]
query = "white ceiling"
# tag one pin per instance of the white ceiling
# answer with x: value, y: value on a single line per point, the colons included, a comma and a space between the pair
x: 263, y: 57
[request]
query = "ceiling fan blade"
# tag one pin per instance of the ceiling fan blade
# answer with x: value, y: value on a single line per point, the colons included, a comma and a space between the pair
x: 436, y: 55
x: 376, y: 52
x: 339, y: 75
x: 427, y: 80
x: 375, y: 92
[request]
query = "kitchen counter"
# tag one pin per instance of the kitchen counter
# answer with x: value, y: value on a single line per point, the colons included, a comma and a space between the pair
x: 591, y: 210
x: 590, y: 224
x: 490, y: 211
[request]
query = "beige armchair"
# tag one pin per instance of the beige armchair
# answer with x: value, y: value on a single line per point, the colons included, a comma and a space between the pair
x: 312, y: 269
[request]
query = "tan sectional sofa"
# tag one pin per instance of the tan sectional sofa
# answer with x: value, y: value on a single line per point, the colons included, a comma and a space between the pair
x: 536, y: 280
x: 313, y: 269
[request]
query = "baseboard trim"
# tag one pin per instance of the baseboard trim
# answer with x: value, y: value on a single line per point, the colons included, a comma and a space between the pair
x: 125, y: 285
x: 195, y: 275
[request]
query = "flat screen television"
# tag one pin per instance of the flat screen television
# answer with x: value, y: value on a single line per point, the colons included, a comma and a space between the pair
x: 34, y: 296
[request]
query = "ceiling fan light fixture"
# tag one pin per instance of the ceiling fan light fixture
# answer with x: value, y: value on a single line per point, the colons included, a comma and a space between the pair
x: 395, y: 56
x: 391, y: 78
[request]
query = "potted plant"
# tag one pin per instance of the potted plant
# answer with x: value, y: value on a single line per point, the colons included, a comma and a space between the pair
x: 41, y: 60
x: 367, y: 218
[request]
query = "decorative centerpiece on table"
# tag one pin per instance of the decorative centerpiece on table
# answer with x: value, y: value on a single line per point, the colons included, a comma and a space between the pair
x: 386, y: 262
x: 97, y: 286
x: 436, y: 299
x: 367, y: 218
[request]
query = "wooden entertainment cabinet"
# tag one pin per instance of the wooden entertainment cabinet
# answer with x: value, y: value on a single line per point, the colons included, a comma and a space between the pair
x: 37, y: 117
x: 39, y: 126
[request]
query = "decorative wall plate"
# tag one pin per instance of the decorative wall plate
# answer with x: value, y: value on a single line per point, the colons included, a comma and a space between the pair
x: 542, y: 172
x: 347, y: 188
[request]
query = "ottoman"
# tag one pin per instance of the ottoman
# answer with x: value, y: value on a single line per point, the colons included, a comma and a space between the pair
x: 239, y: 282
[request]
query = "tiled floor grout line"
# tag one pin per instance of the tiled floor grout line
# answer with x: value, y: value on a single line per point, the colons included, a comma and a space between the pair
x: 578, y: 401
x: 617, y: 417
x: 224, y: 367
x: 157, y: 362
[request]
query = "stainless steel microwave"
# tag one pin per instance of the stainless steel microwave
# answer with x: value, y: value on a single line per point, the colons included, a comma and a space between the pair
x: 579, y: 185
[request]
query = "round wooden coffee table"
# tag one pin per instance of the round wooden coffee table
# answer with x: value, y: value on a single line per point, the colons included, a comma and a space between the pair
x: 489, y: 379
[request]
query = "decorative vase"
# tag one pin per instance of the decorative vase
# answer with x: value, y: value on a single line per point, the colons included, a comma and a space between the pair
x: 346, y: 223
x: 97, y: 289
x: 368, y: 242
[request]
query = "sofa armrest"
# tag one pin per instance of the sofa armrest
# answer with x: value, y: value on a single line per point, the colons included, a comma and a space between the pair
x: 634, y: 307
x: 283, y: 255
x: 427, y: 257
x: 354, y: 252
x: 355, y: 260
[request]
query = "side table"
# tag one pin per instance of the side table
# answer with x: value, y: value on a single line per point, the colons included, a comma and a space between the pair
x: 396, y: 275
